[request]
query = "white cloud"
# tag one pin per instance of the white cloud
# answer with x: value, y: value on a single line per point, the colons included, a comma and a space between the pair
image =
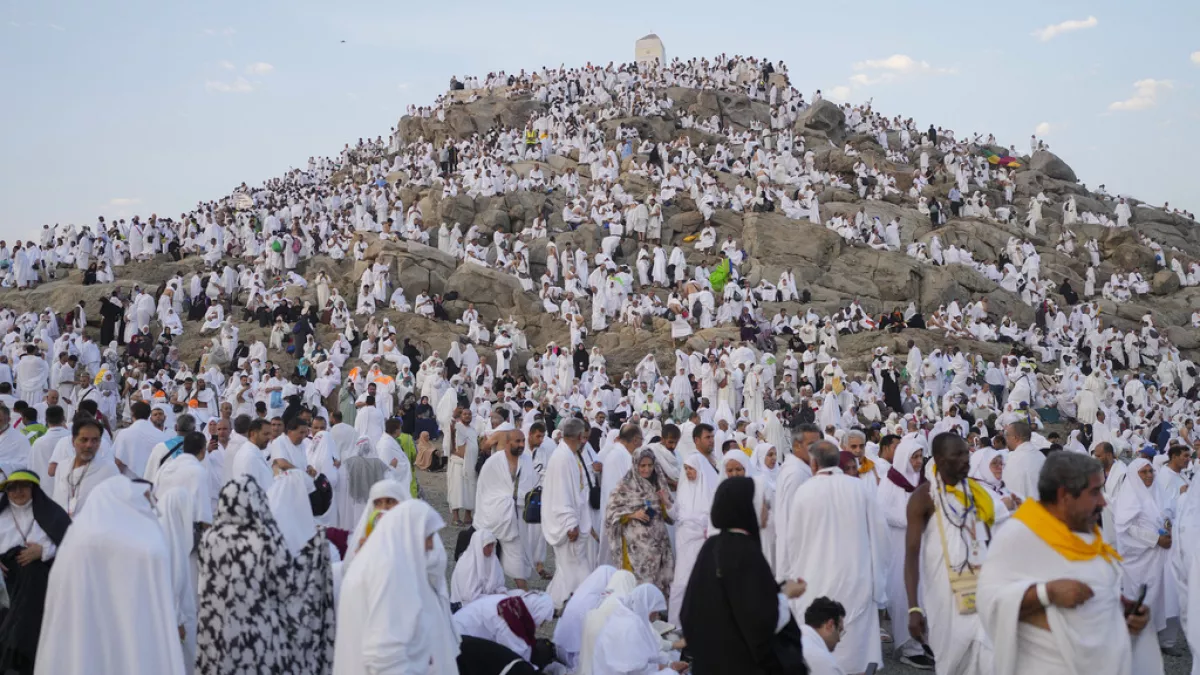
x: 894, y: 67
x: 124, y: 201
x: 227, y: 31
x: 1145, y: 95
x: 1042, y: 129
x: 226, y: 65
x: 55, y: 26
x: 239, y: 86
x: 839, y: 93
x: 1052, y: 31
x: 403, y: 86
x: 260, y: 68
x: 1196, y: 58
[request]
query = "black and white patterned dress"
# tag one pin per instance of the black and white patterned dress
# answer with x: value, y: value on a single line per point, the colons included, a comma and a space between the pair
x: 246, y: 577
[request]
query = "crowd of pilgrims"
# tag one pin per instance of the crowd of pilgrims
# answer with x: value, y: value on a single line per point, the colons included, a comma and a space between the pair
x: 238, y: 513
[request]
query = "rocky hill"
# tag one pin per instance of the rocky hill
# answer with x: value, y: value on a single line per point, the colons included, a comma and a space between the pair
x: 834, y: 270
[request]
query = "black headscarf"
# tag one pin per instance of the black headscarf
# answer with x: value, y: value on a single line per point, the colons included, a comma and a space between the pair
x: 731, y: 605
x: 733, y: 506
x: 49, y: 516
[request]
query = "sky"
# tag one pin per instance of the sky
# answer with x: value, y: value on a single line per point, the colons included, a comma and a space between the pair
x: 136, y: 106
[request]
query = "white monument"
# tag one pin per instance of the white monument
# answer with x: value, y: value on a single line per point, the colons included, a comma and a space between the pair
x: 650, y: 50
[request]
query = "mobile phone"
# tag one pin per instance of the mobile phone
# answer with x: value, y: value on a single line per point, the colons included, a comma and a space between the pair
x: 871, y: 668
x: 1137, y: 605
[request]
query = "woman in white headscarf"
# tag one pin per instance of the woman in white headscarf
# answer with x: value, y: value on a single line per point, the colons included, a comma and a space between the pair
x: 765, y: 463
x: 288, y: 497
x: 692, y: 506
x: 109, y: 595
x: 733, y: 460
x: 989, y: 472
x: 568, y: 631
x: 383, y: 496
x: 477, y: 572
x: 394, y: 615
x: 1140, y: 521
x: 627, y: 642
x: 621, y: 584
x: 894, y: 491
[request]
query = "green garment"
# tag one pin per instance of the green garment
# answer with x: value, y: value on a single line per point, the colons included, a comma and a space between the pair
x: 410, y: 451
x: 720, y: 277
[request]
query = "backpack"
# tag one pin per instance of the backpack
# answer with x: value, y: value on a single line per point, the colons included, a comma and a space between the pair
x: 322, y: 498
x: 533, y: 506
x: 295, y: 245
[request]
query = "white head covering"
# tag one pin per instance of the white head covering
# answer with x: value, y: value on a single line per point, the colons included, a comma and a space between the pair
x: 288, y: 497
x: 477, y: 574
x: 694, y: 499
x: 383, y: 488
x: 621, y: 584
x: 736, y: 455
x: 627, y: 642
x: 902, y: 461
x: 398, y: 587
x: 115, y: 555
x: 981, y: 467
x: 568, y: 632
x: 759, y: 461
x: 1136, y: 501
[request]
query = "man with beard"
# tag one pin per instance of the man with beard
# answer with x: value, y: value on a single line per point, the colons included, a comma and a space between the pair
x: 504, y: 480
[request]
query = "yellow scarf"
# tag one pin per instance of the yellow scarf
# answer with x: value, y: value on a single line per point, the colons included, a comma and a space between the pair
x: 865, y: 465
x: 1056, y: 534
x: 983, y: 500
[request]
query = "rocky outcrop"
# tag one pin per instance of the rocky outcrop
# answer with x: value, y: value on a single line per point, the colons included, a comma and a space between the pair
x: 823, y: 116
x: 1049, y: 164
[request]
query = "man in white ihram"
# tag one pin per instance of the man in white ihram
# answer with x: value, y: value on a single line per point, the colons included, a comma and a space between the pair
x: 832, y: 512
x: 566, y: 515
x: 1024, y: 461
x: 1049, y: 595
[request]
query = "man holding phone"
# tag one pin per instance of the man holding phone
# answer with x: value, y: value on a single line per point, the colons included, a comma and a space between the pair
x: 1049, y: 595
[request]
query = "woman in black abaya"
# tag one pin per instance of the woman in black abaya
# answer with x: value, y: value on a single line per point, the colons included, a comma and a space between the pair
x: 731, y: 611
x: 31, y: 528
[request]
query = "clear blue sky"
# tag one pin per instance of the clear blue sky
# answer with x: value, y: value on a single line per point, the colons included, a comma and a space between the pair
x: 133, y: 106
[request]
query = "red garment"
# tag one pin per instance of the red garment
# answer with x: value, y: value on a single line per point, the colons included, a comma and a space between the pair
x: 517, y: 616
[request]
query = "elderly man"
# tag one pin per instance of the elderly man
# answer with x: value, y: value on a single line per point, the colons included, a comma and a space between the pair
x: 1049, y: 596
x: 566, y: 513
x: 1024, y: 462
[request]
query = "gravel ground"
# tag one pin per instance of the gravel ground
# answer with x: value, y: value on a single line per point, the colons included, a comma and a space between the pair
x: 433, y: 486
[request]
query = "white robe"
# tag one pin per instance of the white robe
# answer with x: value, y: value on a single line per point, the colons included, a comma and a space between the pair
x: 565, y: 507
x: 109, y: 605
x: 394, y: 611
x: 836, y: 543
x: 1091, y: 638
x: 1021, y: 470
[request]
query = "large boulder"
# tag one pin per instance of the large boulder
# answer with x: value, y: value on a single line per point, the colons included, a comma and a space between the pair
x: 1049, y: 164
x: 495, y: 294
x: 822, y: 116
x: 778, y: 243
x: 1164, y: 282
